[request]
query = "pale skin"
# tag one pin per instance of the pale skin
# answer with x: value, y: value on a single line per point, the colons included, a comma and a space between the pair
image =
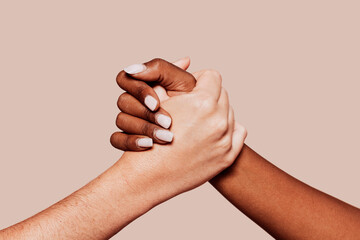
x: 269, y: 196
x: 139, y: 181
x: 283, y: 206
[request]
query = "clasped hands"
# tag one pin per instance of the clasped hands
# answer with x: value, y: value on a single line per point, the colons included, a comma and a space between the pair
x: 179, y: 132
x: 183, y: 121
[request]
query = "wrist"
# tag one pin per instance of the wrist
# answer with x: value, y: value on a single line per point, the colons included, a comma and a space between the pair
x: 146, y: 177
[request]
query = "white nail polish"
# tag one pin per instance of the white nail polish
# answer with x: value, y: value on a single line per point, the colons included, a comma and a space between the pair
x: 144, y: 142
x: 150, y: 102
x: 135, y: 68
x: 164, y: 135
x: 163, y: 120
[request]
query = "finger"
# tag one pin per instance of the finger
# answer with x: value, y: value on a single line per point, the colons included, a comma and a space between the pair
x: 238, y: 139
x: 223, y: 102
x: 164, y: 73
x: 130, y: 105
x: 230, y: 124
x: 161, y: 93
x: 134, y: 125
x: 198, y: 73
x: 231, y: 120
x: 183, y: 63
x: 209, y: 82
x: 128, y: 142
x: 139, y: 89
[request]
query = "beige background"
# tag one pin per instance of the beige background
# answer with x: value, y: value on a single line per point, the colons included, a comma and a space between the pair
x: 291, y: 68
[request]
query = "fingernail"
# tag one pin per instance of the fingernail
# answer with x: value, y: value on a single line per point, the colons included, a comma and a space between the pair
x: 135, y: 68
x: 164, y: 135
x: 144, y: 142
x: 150, y: 102
x: 163, y: 120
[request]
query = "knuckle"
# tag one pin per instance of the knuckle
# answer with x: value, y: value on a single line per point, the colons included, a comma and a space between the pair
x: 141, y: 91
x: 228, y: 160
x: 205, y: 103
x: 226, y: 143
x: 145, y: 129
x: 148, y: 114
x: 218, y: 125
x: 128, y: 143
x: 122, y: 101
x: 214, y: 74
x: 222, y: 125
x: 120, y: 78
x: 114, y: 140
x: 120, y: 120
x: 209, y: 105
x: 157, y: 63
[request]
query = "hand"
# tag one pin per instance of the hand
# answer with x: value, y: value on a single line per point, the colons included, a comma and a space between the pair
x: 156, y: 71
x: 206, y: 141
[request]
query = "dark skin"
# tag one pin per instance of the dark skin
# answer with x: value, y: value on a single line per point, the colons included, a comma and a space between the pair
x: 282, y: 205
x: 132, y: 104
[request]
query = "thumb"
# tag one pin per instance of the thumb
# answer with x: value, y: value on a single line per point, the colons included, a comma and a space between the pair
x: 160, y: 91
x: 137, y: 78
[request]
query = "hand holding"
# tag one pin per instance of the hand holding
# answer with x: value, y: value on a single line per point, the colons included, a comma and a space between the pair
x: 151, y: 121
x: 206, y: 140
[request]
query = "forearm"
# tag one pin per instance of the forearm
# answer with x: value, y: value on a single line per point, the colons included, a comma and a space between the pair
x: 96, y: 211
x: 282, y: 205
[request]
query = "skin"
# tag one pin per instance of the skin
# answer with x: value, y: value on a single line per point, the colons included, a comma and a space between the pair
x: 283, y: 206
x: 139, y: 181
x: 136, y: 93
